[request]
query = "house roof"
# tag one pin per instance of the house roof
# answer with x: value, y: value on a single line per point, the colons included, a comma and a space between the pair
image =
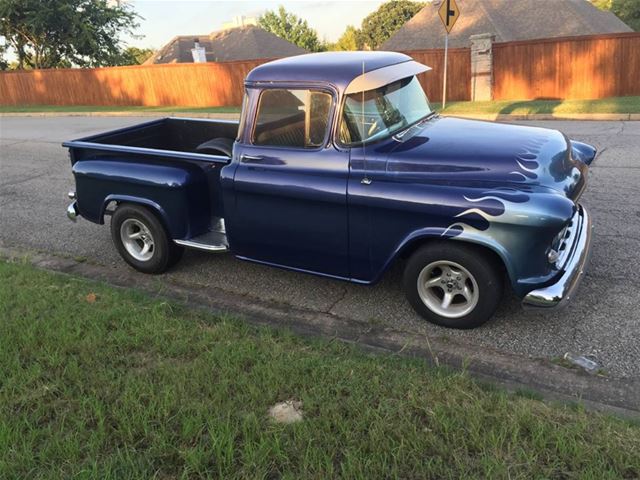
x: 242, y: 43
x: 336, y: 68
x: 508, y: 20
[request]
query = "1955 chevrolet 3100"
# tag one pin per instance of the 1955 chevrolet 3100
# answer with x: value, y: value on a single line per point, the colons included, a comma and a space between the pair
x: 339, y: 167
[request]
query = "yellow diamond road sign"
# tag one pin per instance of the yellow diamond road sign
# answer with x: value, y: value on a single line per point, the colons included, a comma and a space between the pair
x: 449, y: 13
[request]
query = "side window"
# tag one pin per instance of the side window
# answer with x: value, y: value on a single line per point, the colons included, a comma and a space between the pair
x: 292, y: 118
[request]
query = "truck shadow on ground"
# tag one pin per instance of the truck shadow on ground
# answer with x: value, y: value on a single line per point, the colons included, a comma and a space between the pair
x: 383, y: 303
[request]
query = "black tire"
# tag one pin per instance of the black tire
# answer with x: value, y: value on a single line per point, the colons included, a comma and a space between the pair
x: 483, y: 268
x: 164, y: 252
x: 175, y: 255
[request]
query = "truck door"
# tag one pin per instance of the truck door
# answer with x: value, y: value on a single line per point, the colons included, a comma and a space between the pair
x: 290, y: 185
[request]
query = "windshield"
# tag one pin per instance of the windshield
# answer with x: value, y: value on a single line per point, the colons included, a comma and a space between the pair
x: 384, y: 112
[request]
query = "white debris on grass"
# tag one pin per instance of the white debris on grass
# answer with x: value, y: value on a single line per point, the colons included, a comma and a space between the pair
x: 289, y: 411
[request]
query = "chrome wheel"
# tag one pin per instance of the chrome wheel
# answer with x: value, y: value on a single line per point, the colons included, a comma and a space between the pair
x: 137, y: 239
x: 448, y: 289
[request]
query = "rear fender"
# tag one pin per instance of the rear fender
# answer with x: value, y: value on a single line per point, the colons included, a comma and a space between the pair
x: 178, y: 194
x: 145, y: 202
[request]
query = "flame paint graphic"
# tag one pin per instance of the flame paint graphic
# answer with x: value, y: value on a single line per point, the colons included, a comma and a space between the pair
x: 484, y: 209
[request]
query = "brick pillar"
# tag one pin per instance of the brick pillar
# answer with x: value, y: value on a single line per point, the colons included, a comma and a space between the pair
x: 481, y: 66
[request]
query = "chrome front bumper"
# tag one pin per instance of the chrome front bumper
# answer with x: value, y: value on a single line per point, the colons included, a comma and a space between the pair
x: 559, y: 294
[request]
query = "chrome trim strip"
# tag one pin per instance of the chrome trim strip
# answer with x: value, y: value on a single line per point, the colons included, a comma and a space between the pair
x: 203, y: 246
x: 147, y: 151
x: 560, y: 293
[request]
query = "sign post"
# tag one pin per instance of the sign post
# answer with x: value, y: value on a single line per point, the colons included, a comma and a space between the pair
x: 446, y: 63
x: 449, y: 13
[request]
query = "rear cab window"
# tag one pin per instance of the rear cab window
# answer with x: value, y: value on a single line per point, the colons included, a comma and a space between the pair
x: 243, y: 116
x: 294, y: 118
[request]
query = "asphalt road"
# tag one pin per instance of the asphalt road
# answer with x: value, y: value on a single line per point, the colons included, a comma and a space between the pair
x: 603, y: 319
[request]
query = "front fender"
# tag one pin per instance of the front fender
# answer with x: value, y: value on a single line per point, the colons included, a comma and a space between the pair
x: 583, y: 152
x: 429, y: 234
x: 520, y: 236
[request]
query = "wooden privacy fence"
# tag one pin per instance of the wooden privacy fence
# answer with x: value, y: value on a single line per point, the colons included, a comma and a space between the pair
x: 596, y: 66
x: 459, y: 73
x: 188, y: 84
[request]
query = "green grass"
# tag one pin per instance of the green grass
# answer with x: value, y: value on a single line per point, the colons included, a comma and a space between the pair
x: 606, y: 105
x: 124, y: 386
x: 102, y: 108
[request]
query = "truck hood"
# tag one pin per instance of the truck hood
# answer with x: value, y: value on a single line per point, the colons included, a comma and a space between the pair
x: 454, y: 150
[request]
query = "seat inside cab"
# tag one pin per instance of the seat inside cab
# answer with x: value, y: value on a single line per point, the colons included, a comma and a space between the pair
x: 295, y: 118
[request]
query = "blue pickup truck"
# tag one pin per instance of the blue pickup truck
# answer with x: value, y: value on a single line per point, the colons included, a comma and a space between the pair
x: 338, y: 167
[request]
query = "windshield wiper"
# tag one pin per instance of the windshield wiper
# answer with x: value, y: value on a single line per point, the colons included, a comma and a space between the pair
x: 398, y: 137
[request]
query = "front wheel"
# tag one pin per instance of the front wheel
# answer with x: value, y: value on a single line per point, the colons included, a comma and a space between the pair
x: 141, y: 240
x: 454, y: 286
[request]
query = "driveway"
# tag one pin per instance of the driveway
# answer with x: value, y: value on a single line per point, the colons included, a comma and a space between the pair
x: 603, y: 319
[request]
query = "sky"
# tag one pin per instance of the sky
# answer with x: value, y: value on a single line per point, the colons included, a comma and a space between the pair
x: 164, y: 19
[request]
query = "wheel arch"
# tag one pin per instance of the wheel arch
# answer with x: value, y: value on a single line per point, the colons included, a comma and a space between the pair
x: 154, y: 207
x: 500, y: 257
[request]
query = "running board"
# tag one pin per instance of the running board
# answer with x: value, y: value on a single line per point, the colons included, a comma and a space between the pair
x: 210, y: 242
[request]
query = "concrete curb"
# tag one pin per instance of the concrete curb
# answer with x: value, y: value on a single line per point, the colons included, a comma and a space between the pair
x: 227, y: 116
x: 619, y: 396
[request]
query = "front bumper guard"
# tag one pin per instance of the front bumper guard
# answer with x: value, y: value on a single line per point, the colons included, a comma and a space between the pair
x: 72, y: 211
x: 559, y: 294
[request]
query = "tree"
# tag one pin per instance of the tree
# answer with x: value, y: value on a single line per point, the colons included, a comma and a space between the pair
x: 62, y: 33
x: 3, y: 61
x: 351, y: 39
x: 135, y: 55
x: 292, y: 28
x: 626, y: 10
x: 386, y: 20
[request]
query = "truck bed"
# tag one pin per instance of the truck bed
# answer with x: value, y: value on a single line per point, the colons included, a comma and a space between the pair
x: 156, y: 160
x: 167, y: 136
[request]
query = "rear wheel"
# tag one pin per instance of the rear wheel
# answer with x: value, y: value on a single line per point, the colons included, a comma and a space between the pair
x: 453, y: 285
x: 142, y: 240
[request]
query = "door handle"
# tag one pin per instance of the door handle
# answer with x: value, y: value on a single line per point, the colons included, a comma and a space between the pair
x: 250, y: 158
